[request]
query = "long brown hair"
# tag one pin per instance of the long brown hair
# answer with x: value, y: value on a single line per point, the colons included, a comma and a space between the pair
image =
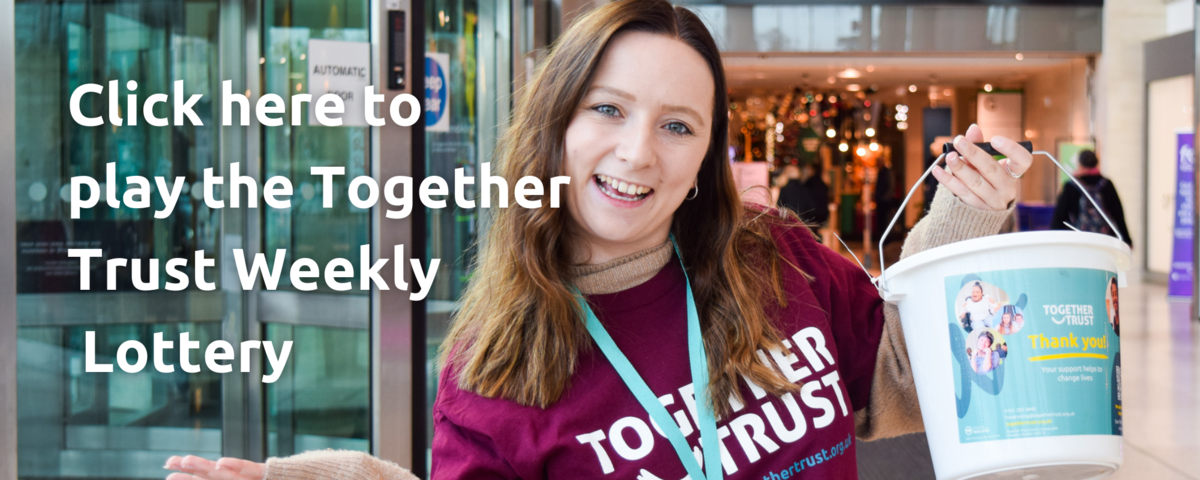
x: 520, y: 329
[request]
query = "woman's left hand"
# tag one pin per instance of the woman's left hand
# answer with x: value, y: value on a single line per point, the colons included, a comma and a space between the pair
x: 978, y: 179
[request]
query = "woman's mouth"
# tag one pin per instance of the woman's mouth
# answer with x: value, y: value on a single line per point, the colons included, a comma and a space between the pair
x: 620, y: 190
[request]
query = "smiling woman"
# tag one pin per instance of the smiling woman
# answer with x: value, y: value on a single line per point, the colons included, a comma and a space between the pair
x: 657, y: 305
x: 639, y: 124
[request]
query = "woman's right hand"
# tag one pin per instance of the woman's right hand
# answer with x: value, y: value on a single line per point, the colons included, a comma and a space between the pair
x: 196, y: 468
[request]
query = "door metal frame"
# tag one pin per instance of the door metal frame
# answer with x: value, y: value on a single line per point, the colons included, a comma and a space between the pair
x: 1170, y: 57
x: 1196, y: 177
x: 397, y: 323
x: 8, y: 245
x: 1164, y: 58
x: 239, y: 43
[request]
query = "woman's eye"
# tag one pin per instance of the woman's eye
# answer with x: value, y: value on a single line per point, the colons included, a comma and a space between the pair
x: 678, y: 128
x: 607, y: 110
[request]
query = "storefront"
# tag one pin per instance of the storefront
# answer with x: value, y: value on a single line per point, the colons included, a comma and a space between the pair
x: 868, y: 93
x: 361, y: 375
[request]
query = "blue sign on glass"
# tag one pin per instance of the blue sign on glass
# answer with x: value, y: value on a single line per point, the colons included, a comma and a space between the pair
x: 437, y: 92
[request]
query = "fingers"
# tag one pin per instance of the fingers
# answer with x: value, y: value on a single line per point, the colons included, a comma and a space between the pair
x: 197, y: 468
x: 974, y: 134
x: 969, y: 177
x: 982, y: 175
x: 245, y: 468
x: 983, y: 163
x: 959, y: 189
x: 1019, y: 159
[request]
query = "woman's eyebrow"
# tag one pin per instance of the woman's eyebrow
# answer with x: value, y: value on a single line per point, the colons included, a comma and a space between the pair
x: 631, y: 97
x: 686, y: 111
x: 612, y: 91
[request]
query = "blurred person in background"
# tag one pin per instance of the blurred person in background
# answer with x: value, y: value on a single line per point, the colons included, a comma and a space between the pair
x: 1075, y: 210
x: 793, y: 194
x: 806, y: 194
x: 884, y: 198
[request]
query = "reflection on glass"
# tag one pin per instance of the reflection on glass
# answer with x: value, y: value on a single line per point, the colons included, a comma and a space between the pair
x: 476, y: 36
x: 76, y: 423
x: 111, y: 425
x: 307, y: 230
x: 61, y: 46
x: 322, y: 398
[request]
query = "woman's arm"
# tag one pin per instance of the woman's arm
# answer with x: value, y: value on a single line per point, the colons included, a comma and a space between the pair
x: 959, y: 212
x: 334, y: 464
x: 314, y: 465
x: 893, y: 409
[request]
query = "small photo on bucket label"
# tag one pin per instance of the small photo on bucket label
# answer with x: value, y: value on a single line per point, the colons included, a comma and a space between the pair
x: 977, y: 303
x: 1111, y: 304
x: 1035, y: 354
x: 986, y: 350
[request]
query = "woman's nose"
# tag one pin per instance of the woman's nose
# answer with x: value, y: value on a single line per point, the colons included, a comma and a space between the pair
x: 636, y: 145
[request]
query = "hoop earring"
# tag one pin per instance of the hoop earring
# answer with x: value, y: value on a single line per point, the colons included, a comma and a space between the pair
x: 695, y: 191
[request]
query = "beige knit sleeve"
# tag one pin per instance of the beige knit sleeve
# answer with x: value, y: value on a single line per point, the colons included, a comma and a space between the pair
x: 893, y: 409
x: 334, y: 465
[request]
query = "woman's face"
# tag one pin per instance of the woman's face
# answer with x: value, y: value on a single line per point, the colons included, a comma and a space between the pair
x: 976, y: 293
x: 984, y: 343
x: 636, y: 142
x: 1113, y: 288
x: 1006, y: 319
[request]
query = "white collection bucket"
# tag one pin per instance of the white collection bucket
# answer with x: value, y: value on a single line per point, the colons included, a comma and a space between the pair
x: 1014, y: 351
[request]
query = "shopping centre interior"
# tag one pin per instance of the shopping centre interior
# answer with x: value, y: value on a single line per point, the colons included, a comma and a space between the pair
x: 858, y: 118
x: 865, y: 94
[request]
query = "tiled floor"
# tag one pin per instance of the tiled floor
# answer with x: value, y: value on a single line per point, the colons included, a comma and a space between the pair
x: 1160, y: 357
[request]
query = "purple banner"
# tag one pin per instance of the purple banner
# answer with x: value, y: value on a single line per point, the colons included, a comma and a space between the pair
x: 1185, y: 213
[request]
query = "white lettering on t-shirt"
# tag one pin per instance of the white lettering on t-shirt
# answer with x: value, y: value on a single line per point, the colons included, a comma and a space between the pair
x: 726, y: 461
x: 787, y: 436
x: 594, y: 440
x: 685, y: 426
x: 807, y: 395
x: 688, y: 392
x: 785, y: 363
x: 617, y: 438
x: 831, y: 380
x: 814, y: 334
x: 750, y: 427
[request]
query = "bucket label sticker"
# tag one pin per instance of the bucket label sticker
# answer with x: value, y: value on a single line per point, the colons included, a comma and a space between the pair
x: 1036, y: 353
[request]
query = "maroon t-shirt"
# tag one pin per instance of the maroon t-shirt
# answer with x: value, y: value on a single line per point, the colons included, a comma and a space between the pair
x: 599, y: 430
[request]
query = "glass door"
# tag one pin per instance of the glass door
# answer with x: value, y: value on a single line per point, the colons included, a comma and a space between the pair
x: 474, y: 39
x: 113, y: 425
x: 124, y: 425
x: 323, y: 399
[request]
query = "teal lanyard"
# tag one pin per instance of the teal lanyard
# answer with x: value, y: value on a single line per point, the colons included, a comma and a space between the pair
x: 699, y: 366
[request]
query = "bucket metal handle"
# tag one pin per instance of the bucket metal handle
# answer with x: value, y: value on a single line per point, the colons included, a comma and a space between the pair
x: 948, y: 147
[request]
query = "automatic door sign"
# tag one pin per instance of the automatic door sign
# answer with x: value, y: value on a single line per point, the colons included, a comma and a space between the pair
x: 343, y: 69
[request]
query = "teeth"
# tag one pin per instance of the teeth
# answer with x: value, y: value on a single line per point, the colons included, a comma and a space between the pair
x: 623, y: 187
